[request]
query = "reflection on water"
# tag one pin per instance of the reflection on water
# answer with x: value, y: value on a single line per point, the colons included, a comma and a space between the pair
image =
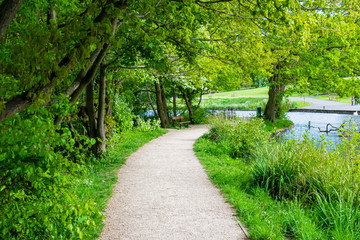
x: 317, y: 120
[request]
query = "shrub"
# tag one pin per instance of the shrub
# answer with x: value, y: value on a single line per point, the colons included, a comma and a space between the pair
x: 122, y: 113
x: 37, y: 183
x: 241, y: 136
x: 148, y: 125
x: 199, y: 115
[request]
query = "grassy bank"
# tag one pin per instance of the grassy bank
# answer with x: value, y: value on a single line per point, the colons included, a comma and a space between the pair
x: 255, y: 92
x: 235, y: 103
x: 244, y: 103
x: 286, y: 189
x: 98, y: 181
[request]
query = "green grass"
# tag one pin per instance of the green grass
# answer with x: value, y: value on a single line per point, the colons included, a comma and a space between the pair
x: 235, y: 103
x: 285, y: 189
x: 334, y: 98
x: 299, y: 104
x: 264, y: 217
x: 243, y: 103
x: 99, y: 181
x: 256, y: 92
x: 278, y: 124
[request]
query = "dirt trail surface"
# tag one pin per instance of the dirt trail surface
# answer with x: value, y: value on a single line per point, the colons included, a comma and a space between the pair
x: 163, y: 192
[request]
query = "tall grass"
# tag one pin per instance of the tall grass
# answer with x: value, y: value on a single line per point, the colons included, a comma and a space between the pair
x: 310, y: 192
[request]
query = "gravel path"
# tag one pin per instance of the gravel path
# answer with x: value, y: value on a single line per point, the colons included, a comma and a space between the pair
x: 164, y: 193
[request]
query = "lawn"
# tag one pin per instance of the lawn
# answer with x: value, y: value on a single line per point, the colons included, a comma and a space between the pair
x: 256, y: 92
x: 334, y: 98
x: 234, y: 103
x: 243, y: 103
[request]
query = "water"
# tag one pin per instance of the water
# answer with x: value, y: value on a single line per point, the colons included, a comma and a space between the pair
x: 317, y: 120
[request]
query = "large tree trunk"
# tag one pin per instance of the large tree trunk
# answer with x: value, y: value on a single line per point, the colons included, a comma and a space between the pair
x: 101, y: 145
x: 8, y: 10
x: 161, y: 105
x: 276, y: 93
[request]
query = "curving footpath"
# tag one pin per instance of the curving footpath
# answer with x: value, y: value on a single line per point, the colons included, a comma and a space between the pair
x: 163, y: 192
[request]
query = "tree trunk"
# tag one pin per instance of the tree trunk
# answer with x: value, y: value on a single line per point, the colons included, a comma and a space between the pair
x: 89, y: 77
x: 174, y: 101
x: 161, y: 106
x: 90, y: 108
x: 163, y: 100
x: 100, y: 133
x: 276, y: 92
x: 8, y: 10
x: 152, y: 105
x: 108, y: 105
x: 188, y: 103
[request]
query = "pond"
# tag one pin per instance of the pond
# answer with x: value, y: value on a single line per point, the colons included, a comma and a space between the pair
x: 317, y: 120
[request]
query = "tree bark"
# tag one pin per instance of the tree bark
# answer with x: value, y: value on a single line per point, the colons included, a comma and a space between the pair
x: 174, y: 101
x: 8, y: 10
x: 188, y: 103
x: 90, y: 109
x: 161, y: 106
x: 87, y: 79
x: 163, y: 100
x: 273, y: 105
x: 152, y: 105
x: 101, y: 145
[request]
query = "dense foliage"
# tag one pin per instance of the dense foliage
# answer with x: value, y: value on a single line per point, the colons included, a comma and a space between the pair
x: 301, y: 189
x: 74, y: 73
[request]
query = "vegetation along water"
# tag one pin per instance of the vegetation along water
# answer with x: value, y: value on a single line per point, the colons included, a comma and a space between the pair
x: 286, y: 188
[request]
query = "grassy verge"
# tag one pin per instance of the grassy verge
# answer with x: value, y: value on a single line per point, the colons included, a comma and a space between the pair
x: 299, y: 104
x: 278, y: 124
x: 98, y: 182
x: 256, y: 92
x: 286, y: 189
x: 334, y: 98
x: 243, y: 103
x: 235, y: 103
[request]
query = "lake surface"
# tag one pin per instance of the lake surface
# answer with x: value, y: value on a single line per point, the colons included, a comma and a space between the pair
x: 317, y: 120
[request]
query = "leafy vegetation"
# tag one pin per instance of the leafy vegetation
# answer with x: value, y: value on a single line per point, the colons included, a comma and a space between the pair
x: 73, y: 73
x: 284, y: 188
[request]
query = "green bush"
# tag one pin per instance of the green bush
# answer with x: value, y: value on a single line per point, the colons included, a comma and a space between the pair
x: 199, y: 115
x: 241, y: 136
x: 37, y: 197
x: 122, y: 113
x: 148, y: 125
